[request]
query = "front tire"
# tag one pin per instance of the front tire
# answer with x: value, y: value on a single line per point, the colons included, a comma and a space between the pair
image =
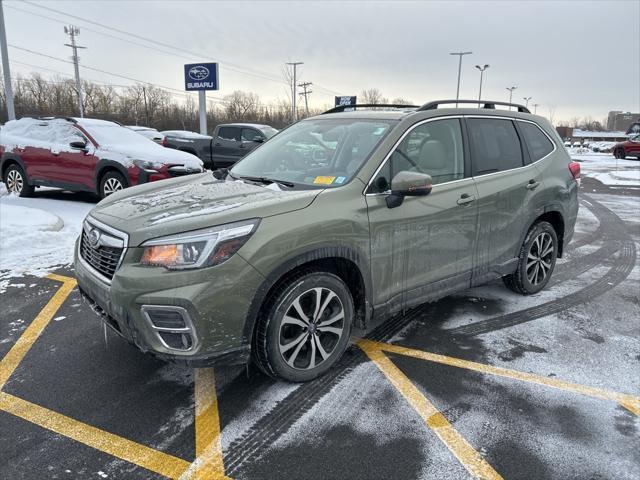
x: 536, y: 260
x: 16, y: 181
x: 112, y: 182
x: 305, y: 329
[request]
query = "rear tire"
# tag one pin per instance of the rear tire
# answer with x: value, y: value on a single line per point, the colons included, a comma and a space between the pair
x: 16, y: 181
x: 536, y: 260
x: 620, y: 154
x: 305, y: 329
x: 112, y: 182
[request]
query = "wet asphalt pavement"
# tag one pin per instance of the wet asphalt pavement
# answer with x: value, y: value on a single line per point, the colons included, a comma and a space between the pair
x: 78, y: 402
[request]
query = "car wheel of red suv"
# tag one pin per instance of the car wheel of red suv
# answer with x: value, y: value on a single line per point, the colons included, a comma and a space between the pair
x: 112, y: 182
x: 16, y: 181
x: 620, y: 154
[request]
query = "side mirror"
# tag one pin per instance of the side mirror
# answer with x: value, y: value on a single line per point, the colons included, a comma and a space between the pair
x: 408, y: 184
x: 78, y: 145
x: 258, y: 139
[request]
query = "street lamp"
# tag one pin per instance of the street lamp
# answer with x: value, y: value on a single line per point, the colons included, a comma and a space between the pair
x: 482, y: 69
x: 526, y: 101
x: 511, y: 89
x: 460, y: 55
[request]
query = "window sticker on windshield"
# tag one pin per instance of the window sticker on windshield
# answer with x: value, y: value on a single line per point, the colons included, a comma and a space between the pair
x: 323, y: 180
x: 340, y: 179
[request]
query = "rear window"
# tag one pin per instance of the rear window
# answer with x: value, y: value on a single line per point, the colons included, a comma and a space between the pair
x: 495, y: 145
x: 538, y: 143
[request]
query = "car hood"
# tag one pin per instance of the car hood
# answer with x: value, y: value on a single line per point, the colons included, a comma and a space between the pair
x: 153, y: 153
x: 192, y: 202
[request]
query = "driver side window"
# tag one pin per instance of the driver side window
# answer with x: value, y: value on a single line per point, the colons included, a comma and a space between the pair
x: 434, y: 148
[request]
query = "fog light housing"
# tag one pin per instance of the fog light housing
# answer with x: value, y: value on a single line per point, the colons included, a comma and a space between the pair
x: 172, y: 326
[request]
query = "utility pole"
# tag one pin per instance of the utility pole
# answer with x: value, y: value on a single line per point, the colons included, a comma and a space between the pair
x: 535, y: 108
x: 294, y: 90
x: 8, y: 91
x: 511, y: 89
x: 146, y: 107
x: 526, y: 101
x: 460, y: 55
x: 482, y: 69
x: 73, y: 32
x: 305, y: 93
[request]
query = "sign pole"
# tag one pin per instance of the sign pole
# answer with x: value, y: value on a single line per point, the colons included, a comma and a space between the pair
x: 202, y: 97
x: 11, y: 114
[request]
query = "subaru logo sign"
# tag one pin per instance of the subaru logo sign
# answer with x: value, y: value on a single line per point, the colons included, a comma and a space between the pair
x: 198, y: 72
x: 345, y: 100
x: 201, y: 76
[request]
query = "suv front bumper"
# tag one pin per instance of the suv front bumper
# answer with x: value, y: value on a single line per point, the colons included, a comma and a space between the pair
x: 215, y: 301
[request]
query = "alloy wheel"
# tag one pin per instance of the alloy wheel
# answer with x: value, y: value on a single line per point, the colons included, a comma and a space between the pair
x: 112, y: 185
x: 539, y: 258
x: 311, y: 328
x: 14, y: 181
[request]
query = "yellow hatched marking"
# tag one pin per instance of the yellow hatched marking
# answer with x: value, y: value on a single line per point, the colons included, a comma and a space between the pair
x: 119, y: 447
x: 630, y: 402
x: 209, y: 462
x: 435, y: 420
x: 12, y: 359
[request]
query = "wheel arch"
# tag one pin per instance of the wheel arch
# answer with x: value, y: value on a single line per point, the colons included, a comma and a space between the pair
x: 344, y: 262
x: 554, y: 216
x: 104, y: 166
x: 9, y: 159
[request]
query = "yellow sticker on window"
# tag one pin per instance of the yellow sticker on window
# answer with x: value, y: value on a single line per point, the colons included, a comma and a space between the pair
x: 324, y: 180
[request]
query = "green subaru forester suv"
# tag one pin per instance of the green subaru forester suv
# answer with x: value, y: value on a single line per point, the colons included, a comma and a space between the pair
x: 337, y: 222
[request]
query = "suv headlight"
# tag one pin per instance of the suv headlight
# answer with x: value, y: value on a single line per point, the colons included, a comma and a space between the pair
x: 145, y: 165
x: 198, y: 248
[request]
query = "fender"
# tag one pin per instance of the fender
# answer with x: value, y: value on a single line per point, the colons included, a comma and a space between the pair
x: 316, y: 253
x: 13, y: 157
x: 106, y: 163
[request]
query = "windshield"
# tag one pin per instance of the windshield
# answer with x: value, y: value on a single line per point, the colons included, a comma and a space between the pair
x: 116, y: 135
x: 316, y: 153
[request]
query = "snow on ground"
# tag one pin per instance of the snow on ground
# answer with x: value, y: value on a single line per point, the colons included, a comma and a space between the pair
x: 608, y: 169
x: 26, y: 246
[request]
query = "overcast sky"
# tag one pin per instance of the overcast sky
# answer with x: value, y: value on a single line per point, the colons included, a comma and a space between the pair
x: 582, y: 57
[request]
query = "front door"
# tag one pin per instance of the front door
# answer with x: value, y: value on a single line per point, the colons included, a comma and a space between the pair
x: 423, y: 248
x: 226, y: 146
x: 77, y: 167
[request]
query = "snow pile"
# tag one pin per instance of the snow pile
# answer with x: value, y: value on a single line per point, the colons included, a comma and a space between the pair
x: 26, y: 245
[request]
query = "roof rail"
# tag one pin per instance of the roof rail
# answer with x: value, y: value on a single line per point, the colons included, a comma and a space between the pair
x: 49, y: 117
x: 489, y: 104
x: 342, y: 108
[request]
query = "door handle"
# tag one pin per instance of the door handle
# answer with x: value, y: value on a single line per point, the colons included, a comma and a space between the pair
x: 216, y: 144
x: 532, y: 185
x: 465, y: 199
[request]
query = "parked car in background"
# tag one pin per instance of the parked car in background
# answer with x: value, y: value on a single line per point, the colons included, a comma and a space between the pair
x: 577, y: 144
x: 229, y: 143
x: 82, y: 154
x: 150, y: 133
x: 567, y: 144
x: 630, y: 148
x: 283, y: 254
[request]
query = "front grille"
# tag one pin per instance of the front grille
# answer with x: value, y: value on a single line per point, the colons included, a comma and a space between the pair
x: 103, y: 259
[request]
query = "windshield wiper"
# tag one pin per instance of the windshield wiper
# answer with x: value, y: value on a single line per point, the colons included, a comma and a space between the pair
x: 267, y: 180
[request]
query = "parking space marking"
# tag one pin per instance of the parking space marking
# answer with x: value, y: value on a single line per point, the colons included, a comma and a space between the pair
x: 209, y: 463
x: 106, y: 442
x: 435, y: 420
x: 630, y: 402
x: 12, y: 359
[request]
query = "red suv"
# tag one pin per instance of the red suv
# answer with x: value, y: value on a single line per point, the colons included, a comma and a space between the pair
x: 630, y: 148
x: 83, y: 154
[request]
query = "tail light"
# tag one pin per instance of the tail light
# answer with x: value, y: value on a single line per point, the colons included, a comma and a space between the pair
x: 574, y: 168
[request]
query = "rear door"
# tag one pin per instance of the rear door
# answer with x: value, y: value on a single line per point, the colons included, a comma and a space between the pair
x: 424, y: 247
x: 507, y: 187
x: 36, y: 154
x: 226, y: 146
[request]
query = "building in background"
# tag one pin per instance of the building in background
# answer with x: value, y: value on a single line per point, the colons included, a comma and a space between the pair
x: 621, y: 121
x: 587, y: 136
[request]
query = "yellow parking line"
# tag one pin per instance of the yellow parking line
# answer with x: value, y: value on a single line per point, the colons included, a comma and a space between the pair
x: 209, y: 462
x: 630, y: 402
x: 12, y: 359
x: 435, y: 420
x: 119, y: 447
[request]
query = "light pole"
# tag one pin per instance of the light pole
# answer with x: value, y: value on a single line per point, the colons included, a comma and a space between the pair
x: 460, y: 55
x: 526, y: 101
x: 482, y: 69
x: 511, y: 89
x: 8, y: 92
x: 294, y: 113
x: 535, y: 108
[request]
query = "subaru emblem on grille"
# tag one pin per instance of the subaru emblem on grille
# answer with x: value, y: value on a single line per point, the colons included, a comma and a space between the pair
x: 94, y: 237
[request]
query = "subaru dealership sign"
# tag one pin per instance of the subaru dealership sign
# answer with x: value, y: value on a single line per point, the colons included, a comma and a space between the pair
x: 201, y: 76
x: 345, y: 100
